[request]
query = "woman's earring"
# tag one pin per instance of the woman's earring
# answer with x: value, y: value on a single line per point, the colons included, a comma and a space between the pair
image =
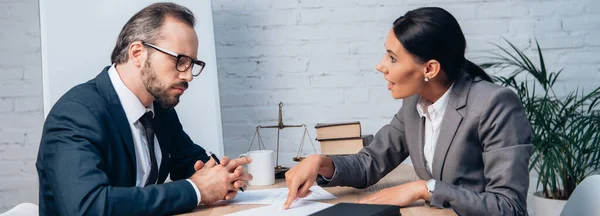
x: 426, y: 79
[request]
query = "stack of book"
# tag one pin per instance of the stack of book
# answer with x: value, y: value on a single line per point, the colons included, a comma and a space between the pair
x: 341, y: 138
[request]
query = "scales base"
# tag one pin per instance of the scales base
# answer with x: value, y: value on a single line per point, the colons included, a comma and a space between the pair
x: 280, y: 172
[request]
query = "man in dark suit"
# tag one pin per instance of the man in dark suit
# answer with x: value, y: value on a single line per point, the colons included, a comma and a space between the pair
x: 109, y: 144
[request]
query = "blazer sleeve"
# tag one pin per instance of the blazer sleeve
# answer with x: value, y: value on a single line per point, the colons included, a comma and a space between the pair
x: 74, y: 169
x: 184, y: 152
x: 387, y: 150
x: 505, y: 135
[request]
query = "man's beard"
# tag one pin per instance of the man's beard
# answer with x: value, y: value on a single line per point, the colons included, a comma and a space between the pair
x: 157, y: 89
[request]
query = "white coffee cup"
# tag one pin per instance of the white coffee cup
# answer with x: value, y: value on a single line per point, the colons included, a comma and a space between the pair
x: 262, y: 167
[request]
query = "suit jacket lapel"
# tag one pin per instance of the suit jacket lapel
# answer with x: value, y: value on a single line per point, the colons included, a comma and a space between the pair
x: 415, y: 131
x: 421, y: 141
x: 106, y: 90
x: 450, y: 124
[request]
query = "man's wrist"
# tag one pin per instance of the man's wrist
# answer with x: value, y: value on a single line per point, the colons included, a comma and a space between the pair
x: 198, y: 195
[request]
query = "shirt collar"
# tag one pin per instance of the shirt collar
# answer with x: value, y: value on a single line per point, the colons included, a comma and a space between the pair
x: 133, y: 107
x: 439, y: 107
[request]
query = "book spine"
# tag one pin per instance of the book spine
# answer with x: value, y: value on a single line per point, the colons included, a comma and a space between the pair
x: 336, y: 124
x: 334, y: 139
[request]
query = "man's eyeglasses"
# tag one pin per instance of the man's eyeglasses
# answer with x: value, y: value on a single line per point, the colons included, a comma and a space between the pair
x: 183, y: 62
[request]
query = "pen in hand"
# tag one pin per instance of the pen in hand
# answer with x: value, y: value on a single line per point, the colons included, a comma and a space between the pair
x: 217, y: 161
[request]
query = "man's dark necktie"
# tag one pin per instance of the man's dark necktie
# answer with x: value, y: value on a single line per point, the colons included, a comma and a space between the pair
x: 146, y: 121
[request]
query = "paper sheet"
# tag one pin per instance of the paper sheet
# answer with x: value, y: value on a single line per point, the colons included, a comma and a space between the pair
x: 318, y: 193
x: 270, y: 196
x: 299, y: 208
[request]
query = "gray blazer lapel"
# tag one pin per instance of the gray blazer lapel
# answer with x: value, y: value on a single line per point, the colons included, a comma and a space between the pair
x: 452, y: 118
x: 422, y: 172
x: 415, y: 131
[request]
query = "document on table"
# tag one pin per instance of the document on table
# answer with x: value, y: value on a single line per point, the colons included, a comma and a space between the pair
x: 273, y: 195
x: 299, y: 208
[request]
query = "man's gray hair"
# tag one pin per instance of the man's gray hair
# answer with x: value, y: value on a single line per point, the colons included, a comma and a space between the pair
x: 145, y: 26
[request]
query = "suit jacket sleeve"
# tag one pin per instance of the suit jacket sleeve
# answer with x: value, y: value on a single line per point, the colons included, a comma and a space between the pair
x: 504, y: 132
x: 387, y: 150
x: 75, y: 168
x: 184, y: 152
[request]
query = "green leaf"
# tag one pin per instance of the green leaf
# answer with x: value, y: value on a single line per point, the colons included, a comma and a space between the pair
x: 565, y: 130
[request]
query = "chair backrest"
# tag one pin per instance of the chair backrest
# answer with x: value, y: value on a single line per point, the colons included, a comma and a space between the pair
x: 23, y: 209
x: 585, y: 200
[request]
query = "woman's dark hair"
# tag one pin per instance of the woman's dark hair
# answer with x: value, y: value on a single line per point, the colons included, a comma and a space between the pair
x: 433, y: 33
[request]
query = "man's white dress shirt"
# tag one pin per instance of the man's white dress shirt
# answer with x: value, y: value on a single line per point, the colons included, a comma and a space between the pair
x: 134, y: 110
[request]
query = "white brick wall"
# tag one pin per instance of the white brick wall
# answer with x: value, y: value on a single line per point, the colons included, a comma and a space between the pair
x: 319, y: 57
x: 21, y: 115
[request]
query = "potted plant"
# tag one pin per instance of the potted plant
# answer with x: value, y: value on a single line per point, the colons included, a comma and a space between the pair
x: 565, y: 128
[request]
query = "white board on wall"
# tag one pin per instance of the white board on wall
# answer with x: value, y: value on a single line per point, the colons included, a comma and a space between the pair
x: 78, y: 38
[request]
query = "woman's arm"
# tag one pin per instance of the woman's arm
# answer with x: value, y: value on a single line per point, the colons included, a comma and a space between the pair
x: 387, y: 150
x: 384, y: 153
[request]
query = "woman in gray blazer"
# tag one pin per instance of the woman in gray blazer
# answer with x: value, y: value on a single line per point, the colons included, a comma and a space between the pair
x: 468, y: 139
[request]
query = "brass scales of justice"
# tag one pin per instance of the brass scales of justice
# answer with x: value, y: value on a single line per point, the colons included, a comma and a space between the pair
x: 280, y: 170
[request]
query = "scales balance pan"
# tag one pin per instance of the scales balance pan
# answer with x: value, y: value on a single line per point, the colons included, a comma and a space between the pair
x: 280, y: 170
